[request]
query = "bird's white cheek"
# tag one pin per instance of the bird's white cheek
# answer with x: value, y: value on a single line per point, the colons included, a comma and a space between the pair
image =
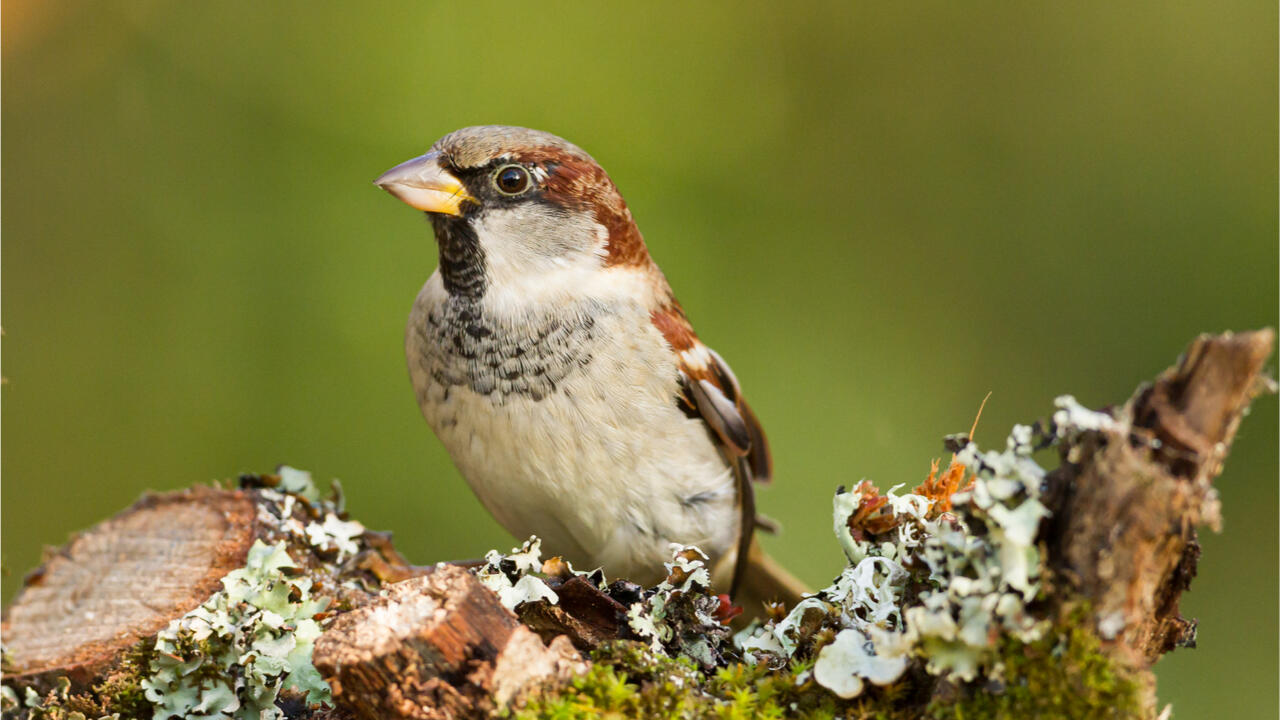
x: 533, y: 255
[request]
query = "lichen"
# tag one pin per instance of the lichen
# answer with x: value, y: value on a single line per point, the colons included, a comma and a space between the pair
x: 235, y: 653
x: 510, y: 576
x: 248, y: 645
x: 982, y: 560
x: 292, y: 509
x: 939, y: 612
x: 679, y: 617
x: 346, y: 562
x: 944, y: 585
x: 941, y: 573
x: 299, y: 482
x: 1063, y: 675
x: 877, y: 656
x: 8, y: 699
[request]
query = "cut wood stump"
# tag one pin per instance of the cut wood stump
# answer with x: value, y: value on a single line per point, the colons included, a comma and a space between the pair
x: 123, y: 581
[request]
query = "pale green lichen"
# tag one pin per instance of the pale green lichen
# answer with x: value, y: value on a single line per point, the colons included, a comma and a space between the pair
x: 1065, y: 674
x: 335, y: 536
x: 941, y: 586
x: 938, y: 580
x: 678, y: 616
x: 330, y: 537
x: 864, y: 609
x: 939, y: 590
x: 981, y: 582
x: 935, y: 588
x: 510, y: 576
x: 878, y: 656
x: 299, y: 482
x: 1072, y: 418
x: 232, y: 655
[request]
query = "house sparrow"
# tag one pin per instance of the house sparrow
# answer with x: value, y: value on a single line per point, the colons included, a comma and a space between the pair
x: 552, y: 360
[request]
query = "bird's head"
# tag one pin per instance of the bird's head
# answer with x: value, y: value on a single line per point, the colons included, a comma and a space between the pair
x: 518, y: 202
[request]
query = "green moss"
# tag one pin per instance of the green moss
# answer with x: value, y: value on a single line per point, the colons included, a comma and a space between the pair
x: 1067, y: 674
x: 121, y: 691
x: 118, y: 695
x: 627, y: 680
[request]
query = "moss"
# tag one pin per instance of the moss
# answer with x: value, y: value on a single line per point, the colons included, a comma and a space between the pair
x: 628, y: 680
x: 1067, y: 674
x: 118, y: 695
x: 121, y: 691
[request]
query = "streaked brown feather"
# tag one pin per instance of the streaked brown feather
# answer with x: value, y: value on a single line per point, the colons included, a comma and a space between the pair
x: 721, y: 413
x: 709, y: 387
x: 761, y: 460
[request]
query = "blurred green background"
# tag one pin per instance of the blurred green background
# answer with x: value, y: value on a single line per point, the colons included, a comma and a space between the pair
x: 877, y: 213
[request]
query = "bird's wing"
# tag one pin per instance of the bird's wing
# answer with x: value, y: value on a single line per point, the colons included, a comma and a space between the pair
x: 709, y: 390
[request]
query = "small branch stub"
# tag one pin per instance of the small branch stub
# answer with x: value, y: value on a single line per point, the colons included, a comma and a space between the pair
x: 1132, y: 495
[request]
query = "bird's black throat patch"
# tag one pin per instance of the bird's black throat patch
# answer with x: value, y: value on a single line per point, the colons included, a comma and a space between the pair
x: 461, y: 257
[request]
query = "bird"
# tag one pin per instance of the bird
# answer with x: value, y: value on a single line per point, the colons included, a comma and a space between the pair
x: 551, y: 358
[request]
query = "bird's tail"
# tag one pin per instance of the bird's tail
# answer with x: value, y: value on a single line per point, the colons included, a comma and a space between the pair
x: 765, y: 581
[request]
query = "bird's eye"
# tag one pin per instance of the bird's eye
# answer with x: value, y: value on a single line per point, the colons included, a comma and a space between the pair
x: 511, y: 179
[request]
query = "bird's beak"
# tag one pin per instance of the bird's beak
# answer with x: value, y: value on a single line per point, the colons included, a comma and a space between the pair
x: 424, y: 185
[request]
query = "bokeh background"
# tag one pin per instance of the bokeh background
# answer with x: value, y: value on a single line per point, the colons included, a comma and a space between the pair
x: 878, y: 212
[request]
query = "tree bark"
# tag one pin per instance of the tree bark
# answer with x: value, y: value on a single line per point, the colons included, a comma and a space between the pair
x: 1131, y: 497
x: 439, y: 646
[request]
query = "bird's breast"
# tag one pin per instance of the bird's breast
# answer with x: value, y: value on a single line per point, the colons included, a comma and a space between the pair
x: 460, y: 345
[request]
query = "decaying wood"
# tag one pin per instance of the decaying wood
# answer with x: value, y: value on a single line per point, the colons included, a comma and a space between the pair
x: 1130, y: 498
x: 583, y: 614
x: 124, y: 580
x: 439, y: 646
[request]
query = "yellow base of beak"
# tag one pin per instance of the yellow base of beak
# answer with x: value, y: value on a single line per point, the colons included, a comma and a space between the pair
x: 424, y: 185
